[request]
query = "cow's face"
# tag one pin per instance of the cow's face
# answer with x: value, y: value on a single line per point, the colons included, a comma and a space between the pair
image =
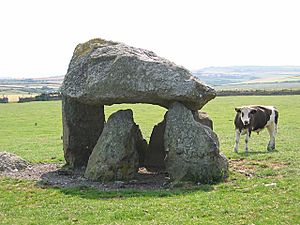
x: 246, y: 114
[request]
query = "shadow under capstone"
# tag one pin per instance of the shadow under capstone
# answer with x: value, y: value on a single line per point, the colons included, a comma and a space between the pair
x: 146, y: 185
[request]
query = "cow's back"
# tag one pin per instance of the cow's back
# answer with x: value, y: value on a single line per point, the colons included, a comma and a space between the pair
x: 261, y: 117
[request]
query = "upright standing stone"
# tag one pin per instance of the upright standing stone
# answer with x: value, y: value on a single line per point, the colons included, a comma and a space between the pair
x: 192, y: 148
x: 155, y: 154
x: 203, y: 118
x: 116, y: 154
x: 82, y: 126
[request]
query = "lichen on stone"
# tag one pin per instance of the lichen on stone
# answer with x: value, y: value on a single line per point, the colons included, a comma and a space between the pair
x: 84, y: 48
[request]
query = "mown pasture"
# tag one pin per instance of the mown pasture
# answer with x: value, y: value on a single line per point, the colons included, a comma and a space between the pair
x: 263, y: 187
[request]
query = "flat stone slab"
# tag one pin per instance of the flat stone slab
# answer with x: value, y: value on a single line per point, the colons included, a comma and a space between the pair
x: 104, y: 72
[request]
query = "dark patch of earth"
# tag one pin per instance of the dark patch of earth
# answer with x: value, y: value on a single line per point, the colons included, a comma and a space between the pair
x: 53, y: 175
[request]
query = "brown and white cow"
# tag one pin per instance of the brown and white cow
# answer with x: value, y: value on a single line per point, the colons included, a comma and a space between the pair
x: 255, y: 118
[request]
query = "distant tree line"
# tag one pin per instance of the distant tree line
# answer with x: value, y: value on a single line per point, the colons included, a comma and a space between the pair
x: 4, y: 100
x: 42, y: 97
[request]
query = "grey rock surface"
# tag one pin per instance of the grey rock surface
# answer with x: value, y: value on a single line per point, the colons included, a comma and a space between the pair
x: 155, y: 154
x: 192, y: 149
x: 203, y: 118
x: 82, y: 126
x: 116, y: 154
x: 106, y: 73
x: 10, y: 162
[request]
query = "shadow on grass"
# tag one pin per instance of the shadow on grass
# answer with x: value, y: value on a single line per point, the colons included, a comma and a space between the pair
x: 92, y: 193
x: 145, y: 186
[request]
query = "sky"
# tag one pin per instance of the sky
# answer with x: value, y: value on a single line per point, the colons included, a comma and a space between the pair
x: 38, y: 38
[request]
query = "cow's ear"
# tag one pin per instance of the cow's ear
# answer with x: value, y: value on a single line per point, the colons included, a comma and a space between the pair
x: 253, y: 111
x: 238, y: 110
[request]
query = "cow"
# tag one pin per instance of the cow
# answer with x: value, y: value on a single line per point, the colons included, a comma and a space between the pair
x: 255, y: 118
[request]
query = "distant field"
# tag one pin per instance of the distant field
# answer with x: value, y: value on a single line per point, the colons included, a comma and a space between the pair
x: 14, y: 96
x: 221, y: 78
x: 32, y: 86
x: 277, y: 79
x: 251, y: 77
x: 261, y: 86
x: 263, y: 187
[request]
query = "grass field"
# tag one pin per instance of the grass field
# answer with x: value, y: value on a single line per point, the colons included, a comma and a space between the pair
x: 271, y: 195
x: 274, y: 79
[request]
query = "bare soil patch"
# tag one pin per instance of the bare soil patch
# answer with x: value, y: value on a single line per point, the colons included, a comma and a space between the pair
x: 249, y: 167
x: 52, y: 175
x: 240, y: 166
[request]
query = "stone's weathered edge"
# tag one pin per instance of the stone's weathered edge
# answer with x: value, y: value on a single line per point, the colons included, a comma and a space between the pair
x: 82, y: 126
x: 192, y: 148
x: 116, y: 154
x: 104, y: 72
x: 203, y: 118
x: 84, y: 48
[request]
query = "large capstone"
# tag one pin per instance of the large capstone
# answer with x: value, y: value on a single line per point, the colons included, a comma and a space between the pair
x: 105, y: 73
x: 192, y: 148
x: 116, y: 154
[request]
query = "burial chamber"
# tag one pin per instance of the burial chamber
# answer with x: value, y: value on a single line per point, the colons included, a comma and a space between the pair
x: 104, y: 73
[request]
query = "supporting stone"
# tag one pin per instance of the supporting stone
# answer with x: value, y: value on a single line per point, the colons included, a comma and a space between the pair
x: 203, y: 118
x: 192, y: 148
x: 155, y: 154
x: 116, y: 154
x: 142, y: 146
x: 82, y: 126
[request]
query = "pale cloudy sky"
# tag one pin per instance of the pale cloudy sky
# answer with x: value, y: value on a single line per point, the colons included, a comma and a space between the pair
x: 38, y: 37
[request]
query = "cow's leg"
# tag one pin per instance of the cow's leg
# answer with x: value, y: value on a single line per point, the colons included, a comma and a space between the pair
x: 237, y: 140
x: 247, y: 140
x: 272, y: 128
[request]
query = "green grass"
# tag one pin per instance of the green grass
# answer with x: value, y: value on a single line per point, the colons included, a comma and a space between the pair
x: 33, y: 130
x: 270, y: 196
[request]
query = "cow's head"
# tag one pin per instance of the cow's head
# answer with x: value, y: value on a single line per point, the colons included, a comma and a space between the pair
x: 246, y: 113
